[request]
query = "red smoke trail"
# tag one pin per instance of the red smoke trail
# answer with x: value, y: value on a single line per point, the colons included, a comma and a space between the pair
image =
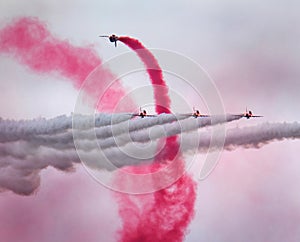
x: 29, y: 41
x: 160, y: 89
x: 165, y: 214
x: 162, y: 216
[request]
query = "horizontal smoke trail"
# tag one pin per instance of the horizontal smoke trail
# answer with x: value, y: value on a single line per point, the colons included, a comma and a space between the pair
x: 21, y: 160
x: 105, y: 132
x: 16, y: 131
x: 25, y: 158
x: 38, y: 133
x: 11, y: 130
x: 249, y: 137
x: 167, y: 130
x: 256, y: 137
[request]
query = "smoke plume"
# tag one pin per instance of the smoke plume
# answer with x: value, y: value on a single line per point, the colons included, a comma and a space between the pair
x: 29, y: 146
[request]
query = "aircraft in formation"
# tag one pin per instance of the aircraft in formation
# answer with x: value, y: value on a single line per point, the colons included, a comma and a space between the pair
x: 196, y: 114
x: 142, y: 114
x: 249, y: 114
x: 112, y: 38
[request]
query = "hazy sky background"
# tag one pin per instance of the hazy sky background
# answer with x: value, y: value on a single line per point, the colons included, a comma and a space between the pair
x: 250, y: 49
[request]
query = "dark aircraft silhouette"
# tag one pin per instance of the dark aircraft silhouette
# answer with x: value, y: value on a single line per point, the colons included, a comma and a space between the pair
x: 112, y: 38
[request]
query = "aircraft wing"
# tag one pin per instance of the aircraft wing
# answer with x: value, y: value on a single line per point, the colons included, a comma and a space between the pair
x: 244, y: 115
x: 193, y: 115
x: 139, y: 115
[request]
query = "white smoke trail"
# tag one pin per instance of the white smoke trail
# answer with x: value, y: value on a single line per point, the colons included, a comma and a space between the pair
x: 169, y: 129
x: 115, y: 135
x: 247, y: 137
x: 11, y: 130
x: 27, y: 147
x: 257, y: 136
x: 57, y: 130
x: 64, y: 139
x: 21, y: 158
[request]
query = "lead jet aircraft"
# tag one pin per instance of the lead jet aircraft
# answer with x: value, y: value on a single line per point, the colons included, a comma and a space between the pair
x: 112, y: 38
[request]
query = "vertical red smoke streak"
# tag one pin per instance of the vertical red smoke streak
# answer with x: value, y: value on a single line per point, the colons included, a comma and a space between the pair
x: 164, y: 215
x: 29, y: 41
x: 161, y: 95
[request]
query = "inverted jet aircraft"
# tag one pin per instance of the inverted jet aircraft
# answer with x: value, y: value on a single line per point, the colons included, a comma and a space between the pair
x: 112, y: 38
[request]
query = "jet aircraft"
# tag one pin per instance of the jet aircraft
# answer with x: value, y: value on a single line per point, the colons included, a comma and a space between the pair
x: 142, y: 114
x: 249, y: 114
x: 196, y: 114
x: 112, y: 38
